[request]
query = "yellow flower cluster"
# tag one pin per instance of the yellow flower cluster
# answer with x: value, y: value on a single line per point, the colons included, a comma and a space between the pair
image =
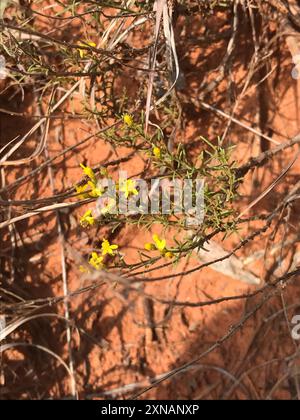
x: 107, y: 248
x: 87, y: 219
x: 159, y: 245
x: 96, y: 259
x: 90, y: 188
x: 128, y: 120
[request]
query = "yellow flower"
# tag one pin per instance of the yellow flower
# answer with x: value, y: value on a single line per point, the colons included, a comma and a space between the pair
x: 149, y: 246
x: 157, y: 152
x: 80, y: 189
x: 169, y: 255
x: 160, y: 244
x: 82, y: 52
x: 95, y: 191
x: 89, y: 172
x: 96, y: 261
x: 128, y: 187
x: 107, y: 248
x: 128, y: 120
x: 87, y: 219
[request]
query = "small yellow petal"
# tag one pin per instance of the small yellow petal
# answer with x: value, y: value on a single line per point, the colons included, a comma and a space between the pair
x: 157, y: 152
x: 159, y: 243
x: 95, y: 191
x: 83, y: 52
x: 169, y: 255
x: 89, y: 172
x: 128, y: 120
x: 149, y: 247
x: 80, y: 189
